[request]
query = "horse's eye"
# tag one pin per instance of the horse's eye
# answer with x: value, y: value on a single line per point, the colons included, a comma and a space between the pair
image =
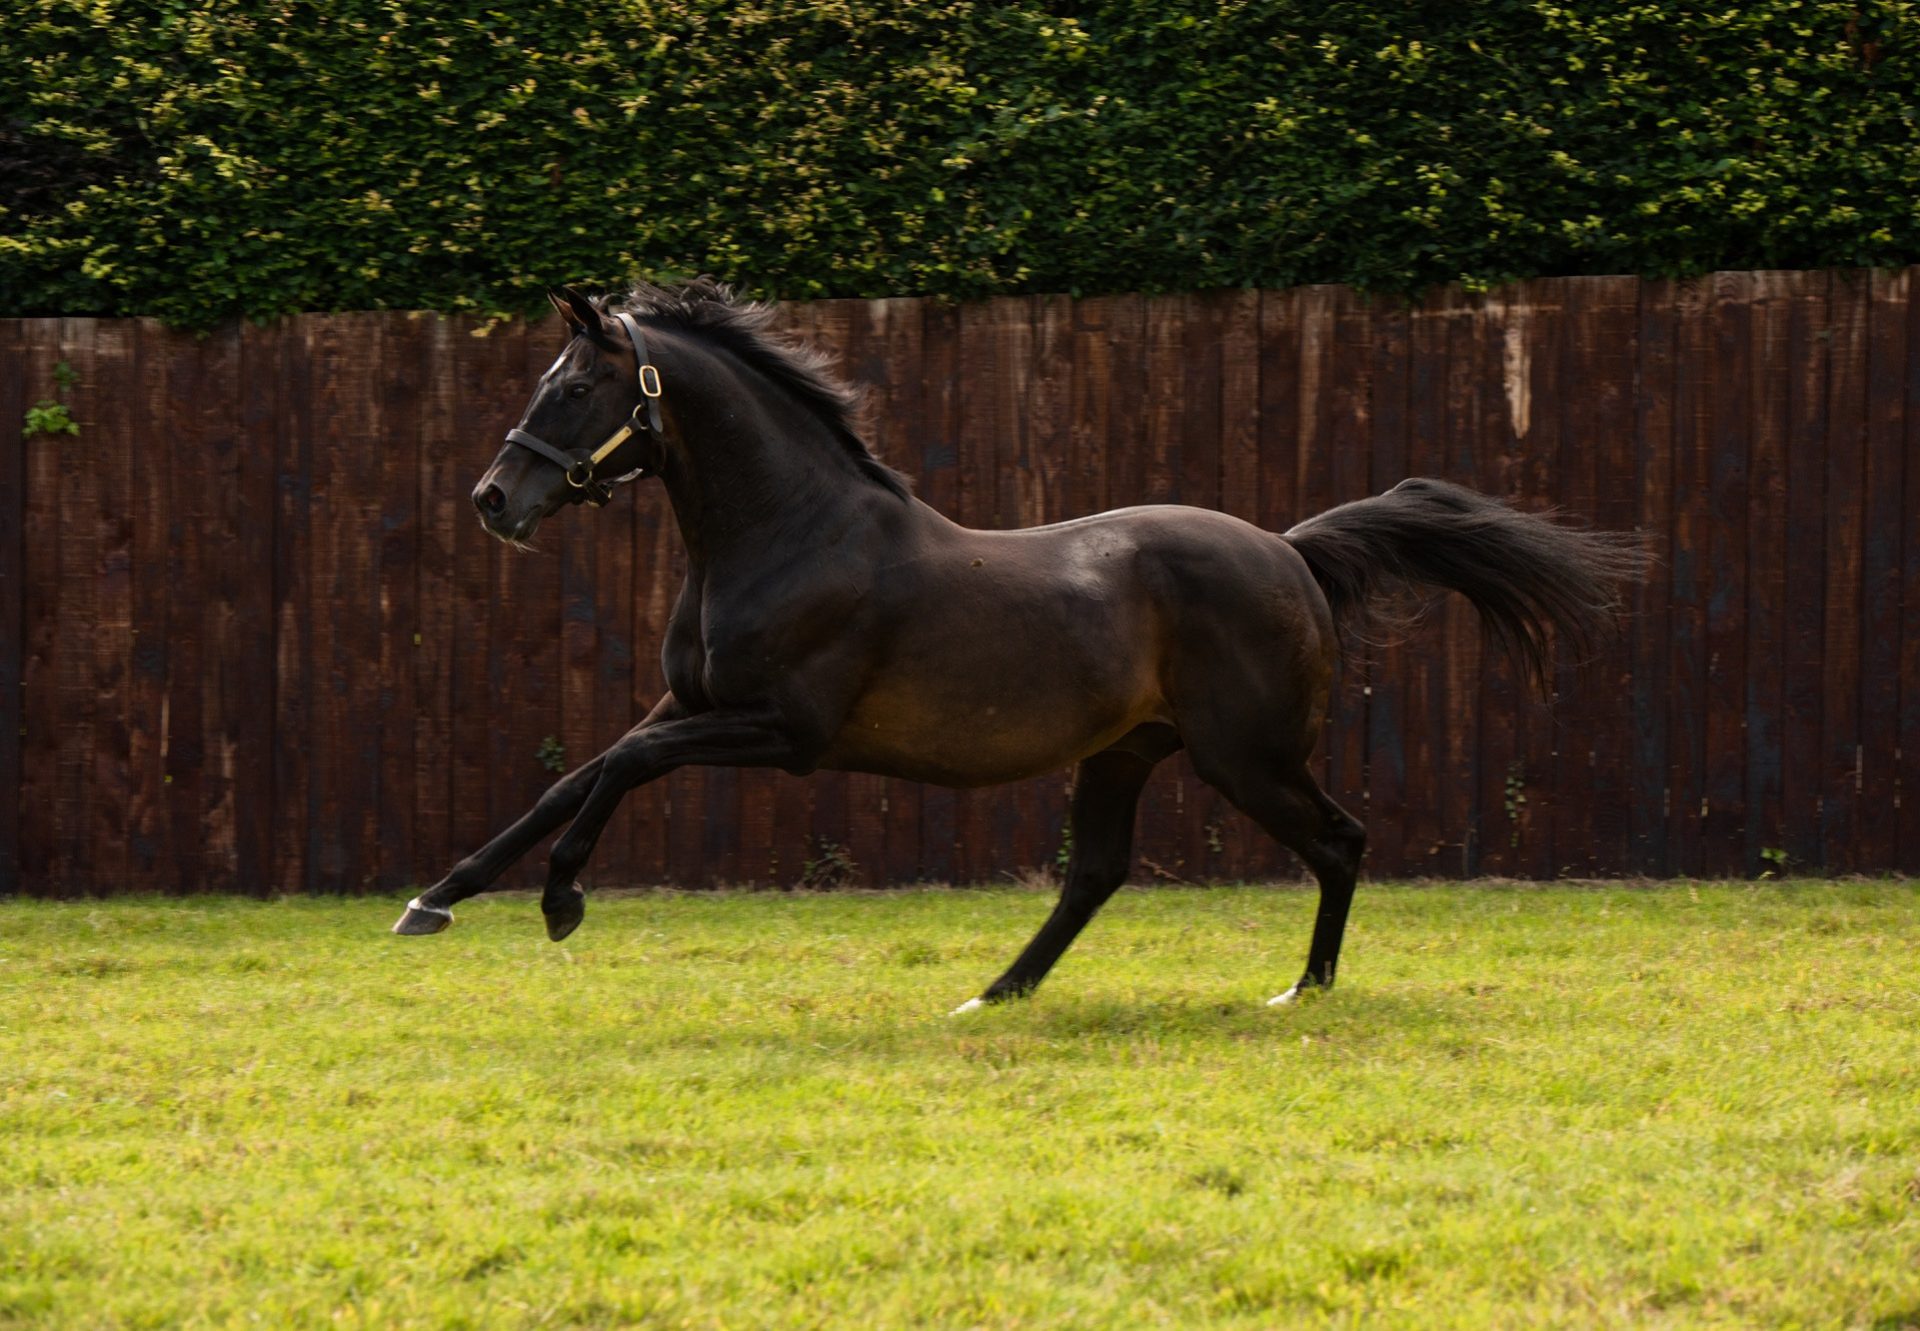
x: 577, y: 390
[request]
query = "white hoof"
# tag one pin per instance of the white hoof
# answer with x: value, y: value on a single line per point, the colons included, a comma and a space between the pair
x: 971, y: 1005
x: 1281, y: 1000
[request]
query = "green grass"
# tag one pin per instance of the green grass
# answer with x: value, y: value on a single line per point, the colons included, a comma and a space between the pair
x: 1569, y: 1106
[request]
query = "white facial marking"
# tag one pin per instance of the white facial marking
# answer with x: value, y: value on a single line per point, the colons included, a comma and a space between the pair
x: 1281, y: 1000
x: 971, y: 1005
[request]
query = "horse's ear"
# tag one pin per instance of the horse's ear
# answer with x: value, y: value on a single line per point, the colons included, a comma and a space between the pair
x: 578, y: 312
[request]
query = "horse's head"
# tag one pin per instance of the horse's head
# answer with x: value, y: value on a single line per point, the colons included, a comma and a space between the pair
x: 593, y: 422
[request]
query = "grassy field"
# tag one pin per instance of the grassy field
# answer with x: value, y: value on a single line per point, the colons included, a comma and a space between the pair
x: 1571, y: 1106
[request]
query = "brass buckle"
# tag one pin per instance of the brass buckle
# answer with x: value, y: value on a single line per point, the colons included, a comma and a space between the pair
x: 650, y: 389
x: 582, y: 469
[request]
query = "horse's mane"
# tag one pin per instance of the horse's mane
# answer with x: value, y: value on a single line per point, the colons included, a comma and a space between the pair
x: 745, y: 327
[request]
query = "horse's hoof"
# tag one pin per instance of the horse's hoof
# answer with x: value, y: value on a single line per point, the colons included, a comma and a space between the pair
x: 1300, y: 993
x: 1281, y: 1000
x: 420, y: 919
x: 971, y: 1005
x: 564, y: 911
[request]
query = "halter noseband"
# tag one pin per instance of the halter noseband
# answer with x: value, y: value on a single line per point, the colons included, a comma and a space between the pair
x: 579, y: 467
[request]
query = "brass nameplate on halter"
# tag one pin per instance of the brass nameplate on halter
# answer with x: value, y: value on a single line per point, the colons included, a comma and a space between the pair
x: 620, y: 437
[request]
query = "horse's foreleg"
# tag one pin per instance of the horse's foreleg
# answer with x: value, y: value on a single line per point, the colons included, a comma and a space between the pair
x: 1106, y: 792
x: 712, y: 739
x: 432, y: 910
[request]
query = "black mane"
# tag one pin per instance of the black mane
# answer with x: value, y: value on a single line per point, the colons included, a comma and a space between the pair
x: 744, y: 327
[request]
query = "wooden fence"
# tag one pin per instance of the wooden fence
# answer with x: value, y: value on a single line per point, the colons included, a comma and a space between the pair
x: 251, y: 638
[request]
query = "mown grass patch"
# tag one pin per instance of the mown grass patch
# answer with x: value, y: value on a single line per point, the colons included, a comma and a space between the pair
x: 1678, y: 1105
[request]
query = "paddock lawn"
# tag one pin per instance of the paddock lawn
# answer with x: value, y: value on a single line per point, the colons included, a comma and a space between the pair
x: 1679, y: 1105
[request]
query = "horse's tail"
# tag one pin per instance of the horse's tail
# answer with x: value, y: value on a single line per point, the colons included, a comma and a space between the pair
x: 1527, y: 576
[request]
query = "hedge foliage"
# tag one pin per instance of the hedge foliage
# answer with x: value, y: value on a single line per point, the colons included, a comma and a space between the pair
x: 200, y: 158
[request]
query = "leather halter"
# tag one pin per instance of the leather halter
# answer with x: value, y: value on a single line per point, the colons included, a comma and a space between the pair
x: 579, y: 467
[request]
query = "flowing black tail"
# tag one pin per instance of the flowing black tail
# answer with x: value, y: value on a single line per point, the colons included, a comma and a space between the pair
x: 1529, y: 577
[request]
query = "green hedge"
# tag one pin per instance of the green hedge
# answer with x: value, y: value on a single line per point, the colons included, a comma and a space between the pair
x: 195, y: 160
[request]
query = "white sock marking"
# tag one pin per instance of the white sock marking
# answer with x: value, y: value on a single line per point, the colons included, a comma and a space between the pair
x: 1281, y: 1000
x: 971, y: 1005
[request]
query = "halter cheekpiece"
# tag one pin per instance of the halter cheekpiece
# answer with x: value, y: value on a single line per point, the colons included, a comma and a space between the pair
x: 579, y: 467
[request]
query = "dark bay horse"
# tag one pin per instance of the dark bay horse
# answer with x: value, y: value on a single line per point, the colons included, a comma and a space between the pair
x: 831, y: 620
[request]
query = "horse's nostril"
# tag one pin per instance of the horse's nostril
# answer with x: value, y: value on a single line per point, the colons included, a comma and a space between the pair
x: 491, y: 500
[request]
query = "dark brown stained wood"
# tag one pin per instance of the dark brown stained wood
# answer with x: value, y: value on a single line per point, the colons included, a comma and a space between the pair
x: 396, y: 559
x: 13, y: 589
x: 442, y: 441
x: 1690, y: 575
x: 1840, y: 737
x: 348, y: 351
x: 1517, y: 346
x: 1091, y: 407
x: 938, y: 426
x: 1654, y: 378
x: 294, y: 743
x: 40, y: 715
x: 110, y: 435
x: 226, y: 671
x: 893, y: 366
x: 1346, y: 427
x: 74, y: 790
x: 1389, y: 382
x: 1880, y: 549
x: 1551, y: 470
x: 47, y: 562
x: 528, y: 608
x: 260, y: 644
x: 1802, y: 783
x: 249, y: 710
x: 1602, y: 377
x: 1767, y: 554
x: 189, y: 416
x: 474, y: 644
x: 1907, y: 790
x: 1724, y: 820
x: 575, y: 540
x: 1418, y: 660
x: 1462, y: 831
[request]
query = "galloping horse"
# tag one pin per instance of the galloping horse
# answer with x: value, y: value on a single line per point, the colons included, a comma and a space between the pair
x: 831, y: 620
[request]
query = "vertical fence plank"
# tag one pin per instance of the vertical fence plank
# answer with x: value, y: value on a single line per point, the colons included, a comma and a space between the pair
x: 1649, y: 607
x: 13, y: 592
x: 225, y: 671
x: 1723, y: 786
x: 1767, y: 555
x: 1206, y: 813
x: 1416, y: 660
x: 1907, y: 787
x: 74, y: 626
x: 182, y: 729
x: 1885, y: 478
x: 1518, y: 347
x: 1840, y: 737
x: 1161, y: 821
x: 111, y: 435
x: 401, y: 387
x: 1468, y: 322
x: 1563, y: 475
x: 475, y: 816
x: 864, y: 364
x: 1806, y: 372
x: 1389, y: 384
x: 292, y: 608
x: 1690, y: 586
x: 1238, y: 332
x: 1602, y: 370
x: 40, y: 714
x: 441, y: 435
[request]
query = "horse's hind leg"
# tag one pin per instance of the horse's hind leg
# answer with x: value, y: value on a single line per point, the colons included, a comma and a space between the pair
x: 1105, y: 794
x: 1287, y: 802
